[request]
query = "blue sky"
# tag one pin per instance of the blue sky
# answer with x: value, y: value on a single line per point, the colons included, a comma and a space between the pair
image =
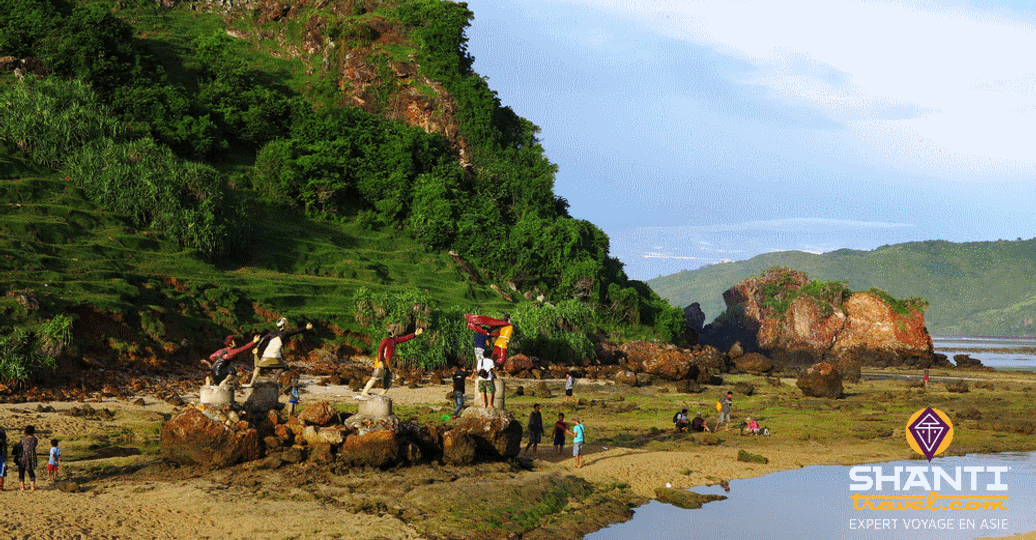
x: 694, y: 132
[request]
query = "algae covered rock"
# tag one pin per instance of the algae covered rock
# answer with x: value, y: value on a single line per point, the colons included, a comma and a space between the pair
x: 749, y: 457
x: 685, y: 499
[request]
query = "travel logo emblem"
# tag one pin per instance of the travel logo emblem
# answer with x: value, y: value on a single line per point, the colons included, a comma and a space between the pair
x: 929, y: 432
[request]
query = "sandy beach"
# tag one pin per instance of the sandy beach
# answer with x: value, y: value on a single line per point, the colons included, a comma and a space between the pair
x: 136, y: 497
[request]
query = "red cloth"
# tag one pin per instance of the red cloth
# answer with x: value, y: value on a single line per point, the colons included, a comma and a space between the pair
x: 227, y: 352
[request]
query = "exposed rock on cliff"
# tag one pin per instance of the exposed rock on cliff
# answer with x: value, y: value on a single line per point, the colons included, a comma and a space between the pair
x: 795, y: 321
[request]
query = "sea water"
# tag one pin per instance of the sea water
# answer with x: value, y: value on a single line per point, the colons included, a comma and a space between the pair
x: 1011, y: 354
x: 816, y: 503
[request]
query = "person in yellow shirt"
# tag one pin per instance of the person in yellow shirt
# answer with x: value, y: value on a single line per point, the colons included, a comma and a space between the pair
x: 500, y: 345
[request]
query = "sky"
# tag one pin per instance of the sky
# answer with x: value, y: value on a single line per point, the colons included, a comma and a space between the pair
x: 698, y: 132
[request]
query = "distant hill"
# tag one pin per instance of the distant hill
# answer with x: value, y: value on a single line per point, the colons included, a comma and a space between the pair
x: 973, y: 288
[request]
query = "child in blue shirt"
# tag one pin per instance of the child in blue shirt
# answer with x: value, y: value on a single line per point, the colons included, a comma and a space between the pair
x: 54, y: 461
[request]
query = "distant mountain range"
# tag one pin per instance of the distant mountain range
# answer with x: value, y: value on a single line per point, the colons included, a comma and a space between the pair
x: 973, y: 288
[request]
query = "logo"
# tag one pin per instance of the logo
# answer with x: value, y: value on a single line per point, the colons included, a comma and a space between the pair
x: 929, y: 432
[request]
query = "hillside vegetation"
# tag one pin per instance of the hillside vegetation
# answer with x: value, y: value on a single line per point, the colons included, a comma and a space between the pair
x: 166, y: 184
x: 974, y: 288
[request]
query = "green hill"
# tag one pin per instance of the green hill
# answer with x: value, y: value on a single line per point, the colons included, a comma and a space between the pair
x: 973, y: 288
x: 173, y: 172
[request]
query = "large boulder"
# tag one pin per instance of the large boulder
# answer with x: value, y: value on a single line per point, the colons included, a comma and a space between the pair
x: 318, y: 414
x: 966, y: 362
x: 194, y: 437
x: 324, y: 435
x: 626, y: 377
x: 376, y: 449
x: 496, y: 434
x: 694, y: 317
x: 673, y: 363
x: 458, y: 448
x: 753, y: 363
x: 518, y: 363
x: 821, y: 380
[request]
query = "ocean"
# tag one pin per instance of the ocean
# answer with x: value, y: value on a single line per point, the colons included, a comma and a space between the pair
x: 1000, y: 353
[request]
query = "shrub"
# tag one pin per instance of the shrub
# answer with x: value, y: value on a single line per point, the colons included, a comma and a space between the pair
x: 25, y: 354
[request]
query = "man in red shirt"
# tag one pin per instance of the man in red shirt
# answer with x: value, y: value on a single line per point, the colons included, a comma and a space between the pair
x: 383, y: 362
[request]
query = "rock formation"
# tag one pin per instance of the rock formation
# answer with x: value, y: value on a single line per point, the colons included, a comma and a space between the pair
x: 671, y: 362
x: 204, y: 436
x: 794, y: 321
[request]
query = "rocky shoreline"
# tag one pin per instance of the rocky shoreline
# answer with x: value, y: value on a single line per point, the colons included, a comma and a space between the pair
x: 115, y: 470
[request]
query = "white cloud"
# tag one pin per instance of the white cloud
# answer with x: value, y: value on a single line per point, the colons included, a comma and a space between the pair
x: 940, y: 89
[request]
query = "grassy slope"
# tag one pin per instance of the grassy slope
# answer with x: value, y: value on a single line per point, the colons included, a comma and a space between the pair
x: 68, y: 252
x: 973, y: 288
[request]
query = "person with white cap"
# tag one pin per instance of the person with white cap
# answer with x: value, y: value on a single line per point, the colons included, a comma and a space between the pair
x: 270, y: 346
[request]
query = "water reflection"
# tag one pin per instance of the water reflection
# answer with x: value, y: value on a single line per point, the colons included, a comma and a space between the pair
x: 814, y: 503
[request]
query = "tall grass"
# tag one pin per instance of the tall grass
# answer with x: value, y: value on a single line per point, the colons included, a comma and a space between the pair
x: 63, y: 125
x: 53, y: 118
x: 25, y: 354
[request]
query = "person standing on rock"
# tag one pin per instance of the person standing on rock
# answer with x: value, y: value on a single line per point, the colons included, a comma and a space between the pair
x: 535, y: 429
x: 383, y: 361
x: 486, y: 372
x: 271, y: 345
x: 220, y: 361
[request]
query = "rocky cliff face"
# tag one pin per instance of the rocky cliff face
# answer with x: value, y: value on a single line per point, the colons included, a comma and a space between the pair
x: 353, y: 53
x: 795, y: 321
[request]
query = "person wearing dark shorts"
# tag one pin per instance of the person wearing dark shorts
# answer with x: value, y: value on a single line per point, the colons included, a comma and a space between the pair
x: 560, y: 427
x: 459, y: 377
x: 535, y: 429
x: 570, y: 383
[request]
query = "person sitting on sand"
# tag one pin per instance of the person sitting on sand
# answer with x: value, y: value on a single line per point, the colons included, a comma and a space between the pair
x: 699, y: 424
x: 681, y: 421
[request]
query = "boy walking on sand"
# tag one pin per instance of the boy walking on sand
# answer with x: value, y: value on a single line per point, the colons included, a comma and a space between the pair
x: 54, y: 461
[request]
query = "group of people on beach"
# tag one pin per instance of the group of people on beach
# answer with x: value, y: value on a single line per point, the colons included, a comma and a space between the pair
x: 23, y: 453
x: 561, y: 428
x: 723, y: 407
